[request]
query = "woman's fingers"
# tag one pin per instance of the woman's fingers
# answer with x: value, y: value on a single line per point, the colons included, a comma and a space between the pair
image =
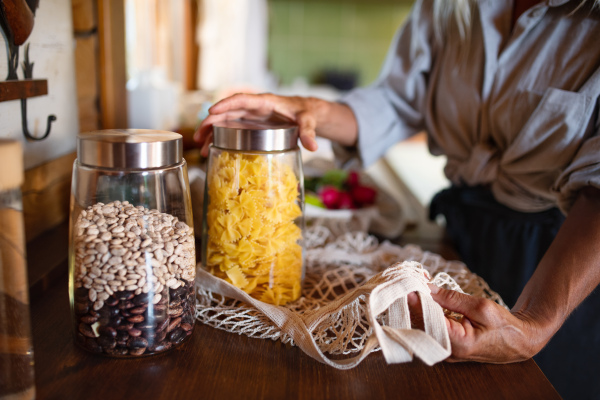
x: 259, y: 103
x: 259, y: 108
x: 203, y: 135
x: 307, y: 130
x: 488, y: 332
x: 206, y: 145
x: 416, y: 311
x: 234, y: 107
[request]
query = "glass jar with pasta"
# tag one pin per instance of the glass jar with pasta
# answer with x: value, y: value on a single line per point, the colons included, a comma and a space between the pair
x: 253, y: 209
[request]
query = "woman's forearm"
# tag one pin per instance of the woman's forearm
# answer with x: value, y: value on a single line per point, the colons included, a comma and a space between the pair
x: 568, y: 272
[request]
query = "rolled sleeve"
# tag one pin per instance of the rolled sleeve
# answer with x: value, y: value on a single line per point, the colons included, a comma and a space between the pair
x: 583, y: 171
x: 392, y: 109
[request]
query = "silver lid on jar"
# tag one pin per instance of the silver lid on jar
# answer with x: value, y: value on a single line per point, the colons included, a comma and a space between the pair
x: 129, y: 148
x: 255, y: 136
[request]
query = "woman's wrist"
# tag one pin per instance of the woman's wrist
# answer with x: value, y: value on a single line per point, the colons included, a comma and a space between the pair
x: 335, y: 121
x: 536, y: 332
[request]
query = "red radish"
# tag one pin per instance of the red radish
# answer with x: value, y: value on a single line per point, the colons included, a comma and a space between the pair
x: 346, y: 202
x: 363, y: 195
x: 352, y: 179
x: 330, y: 196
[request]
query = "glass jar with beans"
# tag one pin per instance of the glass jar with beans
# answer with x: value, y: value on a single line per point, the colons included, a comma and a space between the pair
x: 132, y: 249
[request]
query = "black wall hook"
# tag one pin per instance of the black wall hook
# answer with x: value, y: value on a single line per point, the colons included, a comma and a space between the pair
x: 51, y: 118
x: 28, y: 73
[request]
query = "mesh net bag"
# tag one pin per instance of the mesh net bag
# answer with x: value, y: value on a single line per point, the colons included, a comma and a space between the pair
x: 353, y: 301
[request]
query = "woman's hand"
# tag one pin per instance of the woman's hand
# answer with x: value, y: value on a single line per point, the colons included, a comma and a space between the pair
x: 313, y: 117
x: 488, y: 332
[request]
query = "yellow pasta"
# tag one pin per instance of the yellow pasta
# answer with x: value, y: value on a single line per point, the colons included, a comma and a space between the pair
x: 252, y: 235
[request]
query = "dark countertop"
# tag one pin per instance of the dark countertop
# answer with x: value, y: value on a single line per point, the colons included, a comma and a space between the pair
x: 214, y: 364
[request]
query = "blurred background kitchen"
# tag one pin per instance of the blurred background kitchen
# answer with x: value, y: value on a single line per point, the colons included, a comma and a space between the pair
x: 159, y: 64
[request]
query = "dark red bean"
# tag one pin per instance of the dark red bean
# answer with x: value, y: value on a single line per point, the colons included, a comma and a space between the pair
x: 137, y: 343
x: 116, y: 321
x: 143, y: 299
x: 149, y: 334
x: 137, y: 352
x: 126, y: 304
x: 88, y: 319
x: 180, y: 291
x: 175, y: 312
x: 81, y: 308
x: 157, y: 315
x: 176, y: 336
x: 81, y: 295
x: 160, y: 336
x: 186, y: 327
x: 145, y: 325
x: 118, y: 351
x: 86, y: 330
x: 187, y: 318
x: 111, y: 301
x: 163, y: 325
x: 107, y: 342
x: 125, y: 326
x: 136, y: 319
x: 107, y: 331
x: 92, y: 345
x: 124, y: 295
x: 160, y: 307
x: 138, y: 310
x: 104, y: 312
x: 160, y: 347
x: 174, y: 324
x: 134, y: 332
x: 175, y: 304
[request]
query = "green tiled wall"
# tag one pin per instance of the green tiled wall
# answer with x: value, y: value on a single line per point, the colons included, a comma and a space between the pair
x: 307, y: 37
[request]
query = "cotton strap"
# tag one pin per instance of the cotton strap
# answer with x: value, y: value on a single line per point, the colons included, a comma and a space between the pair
x: 386, y: 296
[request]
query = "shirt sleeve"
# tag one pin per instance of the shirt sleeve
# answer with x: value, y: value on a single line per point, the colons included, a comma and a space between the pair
x: 392, y: 108
x: 583, y: 171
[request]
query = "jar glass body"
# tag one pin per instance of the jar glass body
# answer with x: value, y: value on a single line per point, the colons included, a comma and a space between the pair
x: 16, y: 350
x: 131, y: 259
x: 253, y: 222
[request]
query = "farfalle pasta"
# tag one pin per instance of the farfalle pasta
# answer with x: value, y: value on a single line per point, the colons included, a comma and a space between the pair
x: 253, y: 239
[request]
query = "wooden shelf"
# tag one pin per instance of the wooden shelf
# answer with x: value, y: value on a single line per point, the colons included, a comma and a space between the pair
x: 23, y: 89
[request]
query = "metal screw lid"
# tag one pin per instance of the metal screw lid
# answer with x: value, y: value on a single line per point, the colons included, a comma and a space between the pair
x: 257, y: 136
x: 129, y: 148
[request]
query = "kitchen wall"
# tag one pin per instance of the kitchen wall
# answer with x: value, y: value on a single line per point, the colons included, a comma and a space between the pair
x: 307, y: 37
x: 64, y: 50
x: 52, y: 52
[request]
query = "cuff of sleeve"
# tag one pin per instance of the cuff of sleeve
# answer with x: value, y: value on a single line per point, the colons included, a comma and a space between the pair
x: 378, y: 125
x: 568, y: 193
x: 584, y: 171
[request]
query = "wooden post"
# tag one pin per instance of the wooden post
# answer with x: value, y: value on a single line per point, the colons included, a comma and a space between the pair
x: 113, y: 74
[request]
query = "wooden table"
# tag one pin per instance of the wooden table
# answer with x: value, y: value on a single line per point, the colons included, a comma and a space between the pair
x: 214, y: 364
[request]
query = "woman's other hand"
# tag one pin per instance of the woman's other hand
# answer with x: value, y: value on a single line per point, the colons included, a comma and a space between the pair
x: 488, y: 332
x: 313, y: 116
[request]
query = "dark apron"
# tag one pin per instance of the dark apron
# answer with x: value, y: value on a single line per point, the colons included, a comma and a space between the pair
x: 504, y: 246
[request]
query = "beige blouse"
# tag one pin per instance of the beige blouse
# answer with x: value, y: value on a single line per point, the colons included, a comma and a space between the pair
x: 520, y: 114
